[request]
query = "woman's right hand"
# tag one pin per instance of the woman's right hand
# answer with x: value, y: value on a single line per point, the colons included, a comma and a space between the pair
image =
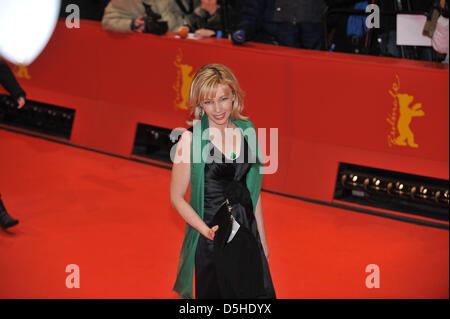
x: 210, y: 233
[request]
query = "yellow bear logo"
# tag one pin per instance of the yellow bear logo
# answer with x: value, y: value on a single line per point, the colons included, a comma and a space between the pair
x: 406, y: 115
x: 21, y: 71
x: 401, y: 117
x: 183, y: 82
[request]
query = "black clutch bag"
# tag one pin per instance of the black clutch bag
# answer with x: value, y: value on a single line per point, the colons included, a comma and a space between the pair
x: 228, y: 226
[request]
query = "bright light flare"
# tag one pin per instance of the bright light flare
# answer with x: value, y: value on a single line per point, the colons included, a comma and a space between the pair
x: 26, y: 27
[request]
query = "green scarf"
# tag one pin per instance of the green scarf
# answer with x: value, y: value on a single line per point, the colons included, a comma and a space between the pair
x: 185, y: 273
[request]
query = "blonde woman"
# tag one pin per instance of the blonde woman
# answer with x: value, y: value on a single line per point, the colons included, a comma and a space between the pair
x: 225, y: 240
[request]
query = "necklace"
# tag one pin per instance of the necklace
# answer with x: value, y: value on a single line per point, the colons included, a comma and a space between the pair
x: 233, y: 154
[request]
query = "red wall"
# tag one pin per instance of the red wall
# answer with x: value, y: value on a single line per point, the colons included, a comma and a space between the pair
x: 328, y: 107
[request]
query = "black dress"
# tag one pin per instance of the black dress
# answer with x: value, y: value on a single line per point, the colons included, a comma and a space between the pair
x: 241, y: 271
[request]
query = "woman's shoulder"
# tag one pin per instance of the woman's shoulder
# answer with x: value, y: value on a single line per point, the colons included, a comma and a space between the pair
x: 183, y: 148
x: 187, y: 134
x: 182, y: 137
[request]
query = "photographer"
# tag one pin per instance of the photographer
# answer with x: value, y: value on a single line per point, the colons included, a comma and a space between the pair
x: 129, y: 15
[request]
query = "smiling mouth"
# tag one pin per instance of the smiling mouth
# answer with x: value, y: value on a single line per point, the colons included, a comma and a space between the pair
x: 219, y: 117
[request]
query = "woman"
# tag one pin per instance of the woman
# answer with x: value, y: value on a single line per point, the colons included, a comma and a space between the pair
x: 236, y: 270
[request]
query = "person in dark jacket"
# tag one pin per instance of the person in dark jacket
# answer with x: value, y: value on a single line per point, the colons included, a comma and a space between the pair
x: 9, y: 82
x: 206, y: 19
x: 382, y: 41
x: 293, y: 23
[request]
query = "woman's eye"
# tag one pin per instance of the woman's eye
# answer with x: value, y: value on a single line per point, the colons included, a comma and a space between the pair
x: 224, y: 99
x: 207, y: 102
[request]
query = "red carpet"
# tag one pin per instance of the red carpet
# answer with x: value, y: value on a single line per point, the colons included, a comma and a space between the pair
x: 113, y: 219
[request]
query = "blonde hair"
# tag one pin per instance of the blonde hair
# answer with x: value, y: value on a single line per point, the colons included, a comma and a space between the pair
x: 205, y: 84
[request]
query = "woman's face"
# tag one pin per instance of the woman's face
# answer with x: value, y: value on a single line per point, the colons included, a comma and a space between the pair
x: 219, y: 108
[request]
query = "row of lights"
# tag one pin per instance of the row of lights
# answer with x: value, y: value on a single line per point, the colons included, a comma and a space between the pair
x: 36, y: 114
x: 375, y: 185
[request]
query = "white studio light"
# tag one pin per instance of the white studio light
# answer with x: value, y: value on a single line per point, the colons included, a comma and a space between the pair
x: 26, y: 27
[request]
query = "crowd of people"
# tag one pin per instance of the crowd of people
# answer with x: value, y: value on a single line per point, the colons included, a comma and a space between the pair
x: 307, y: 24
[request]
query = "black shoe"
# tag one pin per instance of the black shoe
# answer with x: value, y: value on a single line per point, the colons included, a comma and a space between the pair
x: 6, y: 221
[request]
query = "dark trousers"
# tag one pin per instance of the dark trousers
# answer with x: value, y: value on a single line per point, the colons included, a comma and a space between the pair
x: 301, y: 35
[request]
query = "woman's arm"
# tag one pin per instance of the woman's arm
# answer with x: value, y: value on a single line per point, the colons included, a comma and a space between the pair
x: 181, y: 172
x: 261, y: 228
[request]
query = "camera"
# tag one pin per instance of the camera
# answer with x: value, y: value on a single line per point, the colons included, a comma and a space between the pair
x: 152, y: 22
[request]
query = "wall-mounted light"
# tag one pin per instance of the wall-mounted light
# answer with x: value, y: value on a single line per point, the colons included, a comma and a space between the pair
x: 389, y: 188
